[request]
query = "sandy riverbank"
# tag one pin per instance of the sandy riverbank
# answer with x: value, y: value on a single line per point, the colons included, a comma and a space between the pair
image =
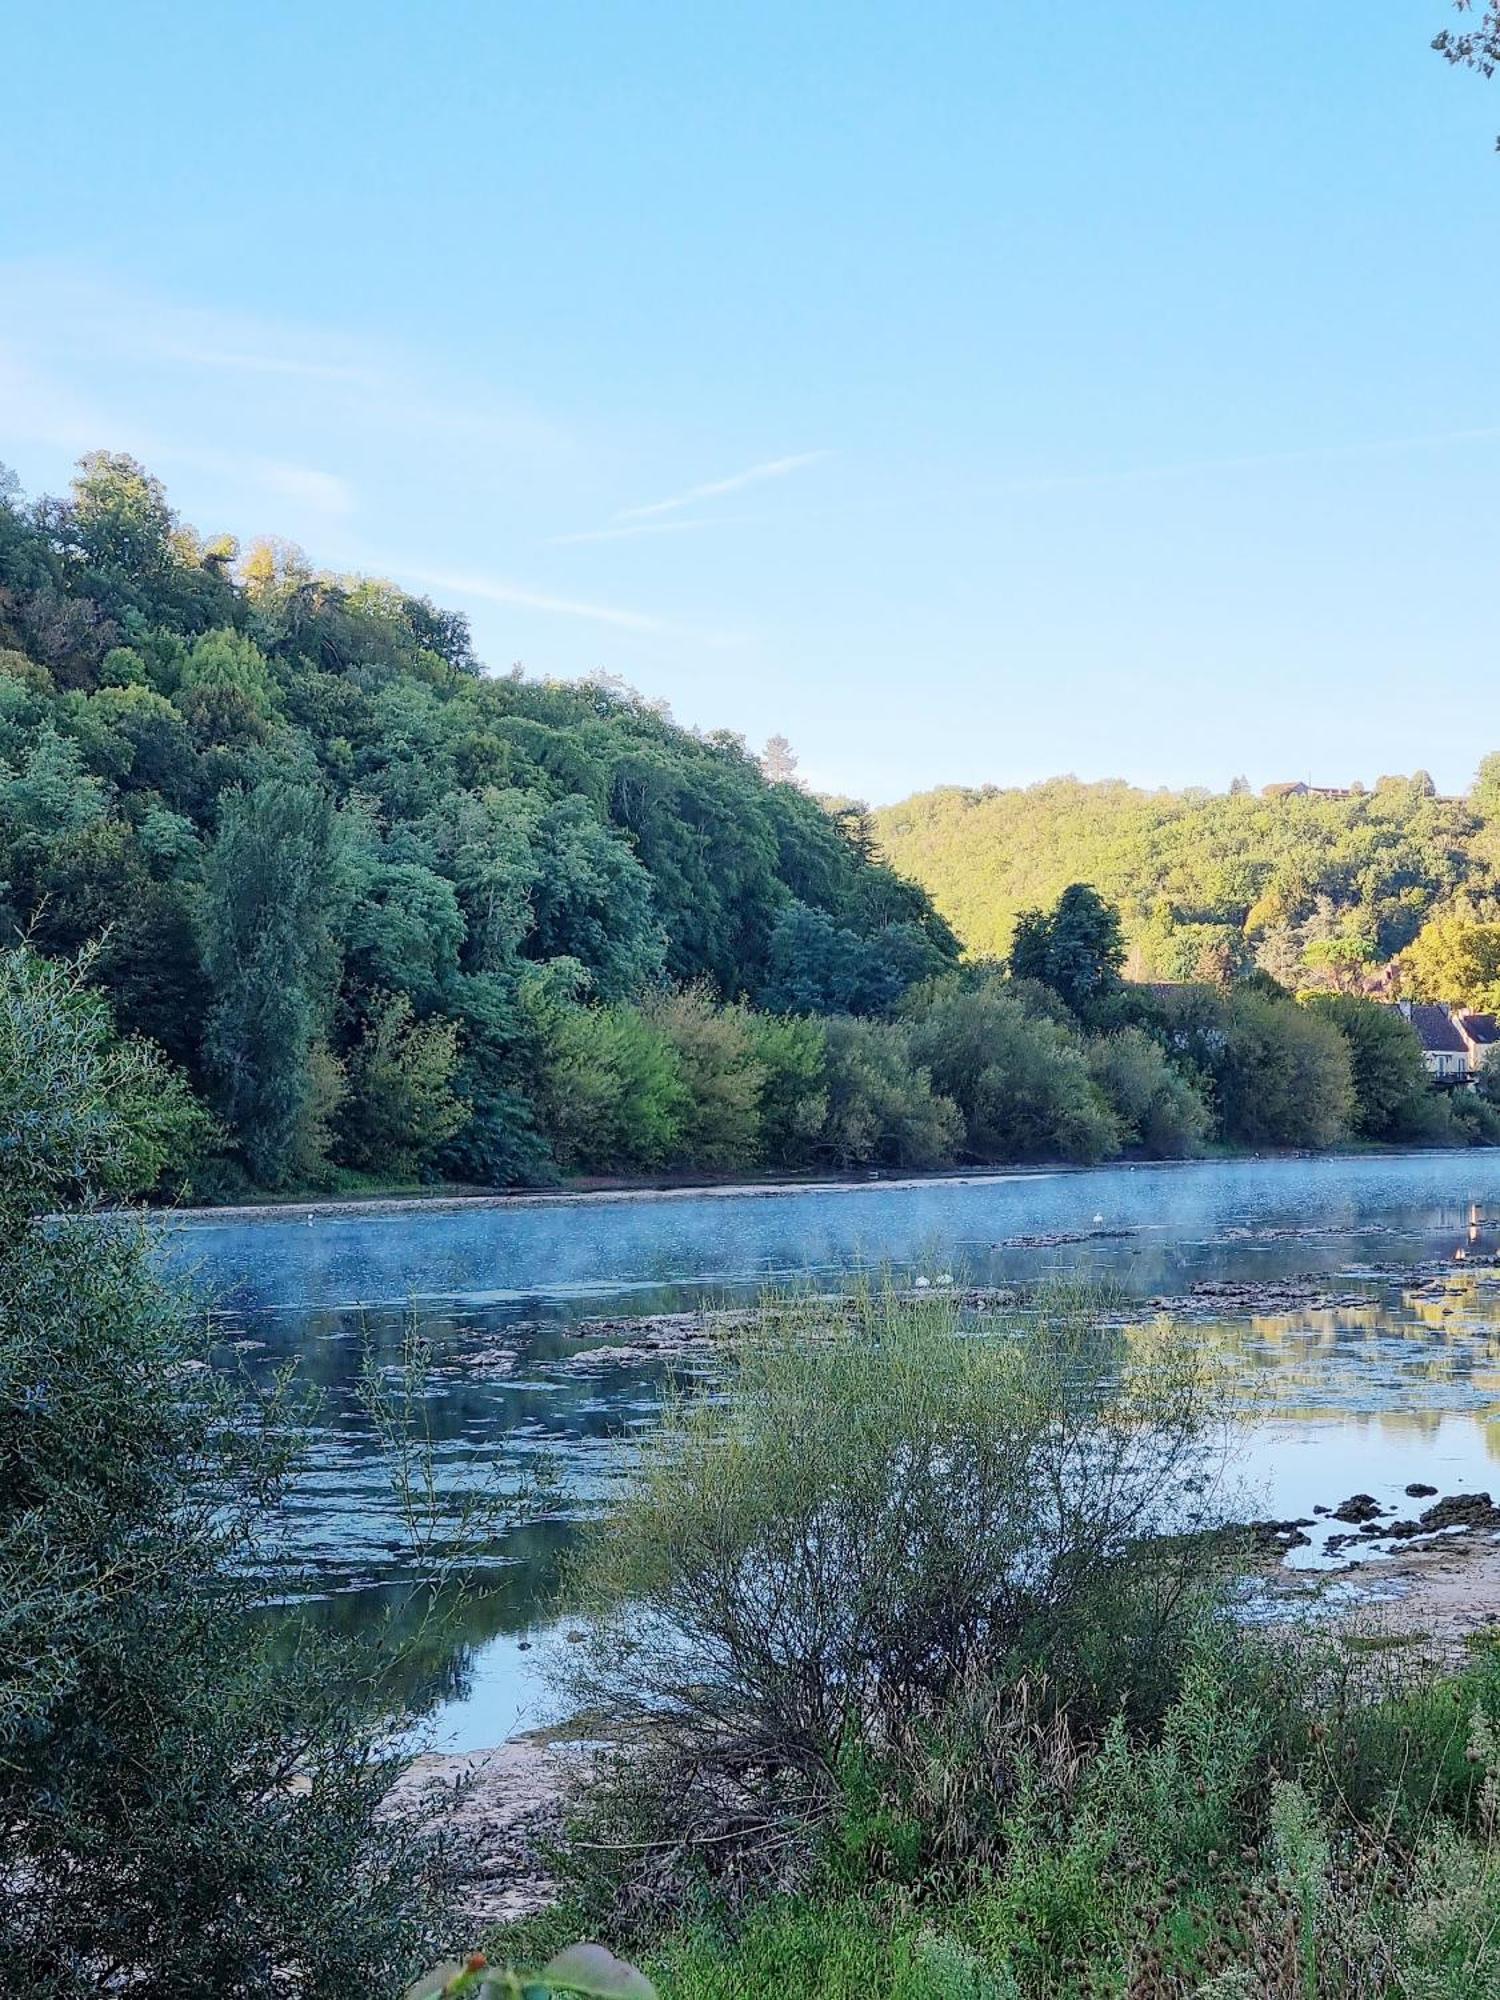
x: 338, y: 1208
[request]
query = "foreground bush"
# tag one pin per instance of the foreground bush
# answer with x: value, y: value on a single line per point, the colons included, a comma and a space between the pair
x: 1228, y: 1855
x: 879, y: 1526
x: 922, y: 1685
x: 182, y: 1811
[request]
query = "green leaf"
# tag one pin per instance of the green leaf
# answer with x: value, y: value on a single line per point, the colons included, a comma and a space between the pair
x: 431, y: 1984
x: 592, y: 1970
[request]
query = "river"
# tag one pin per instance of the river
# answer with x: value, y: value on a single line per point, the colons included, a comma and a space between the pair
x: 1399, y: 1384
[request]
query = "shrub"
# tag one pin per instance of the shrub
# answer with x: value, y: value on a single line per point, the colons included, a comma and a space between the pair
x: 401, y: 1107
x: 1020, y: 1081
x: 82, y: 1112
x: 874, y: 1520
x: 881, y: 1104
x: 722, y: 1078
x: 612, y: 1092
x: 1284, y: 1075
x: 1156, y: 1106
x: 182, y: 1811
x: 1474, y: 1120
x: 792, y: 1051
x: 1393, y: 1097
x: 1232, y: 1850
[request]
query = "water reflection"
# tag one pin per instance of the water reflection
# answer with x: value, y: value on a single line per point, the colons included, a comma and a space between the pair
x: 1403, y: 1384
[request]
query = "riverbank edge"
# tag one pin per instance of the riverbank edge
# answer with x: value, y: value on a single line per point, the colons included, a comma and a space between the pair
x: 361, y: 1206
x: 507, y: 1803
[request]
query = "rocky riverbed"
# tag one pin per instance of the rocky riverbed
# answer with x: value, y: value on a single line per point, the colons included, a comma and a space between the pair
x: 503, y: 1807
x: 623, y: 1340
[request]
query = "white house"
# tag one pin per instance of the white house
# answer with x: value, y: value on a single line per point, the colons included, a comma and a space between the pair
x: 1456, y: 1043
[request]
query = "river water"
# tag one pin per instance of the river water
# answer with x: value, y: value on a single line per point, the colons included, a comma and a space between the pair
x: 1400, y: 1385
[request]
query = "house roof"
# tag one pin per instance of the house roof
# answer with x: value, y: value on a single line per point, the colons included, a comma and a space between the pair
x: 1480, y: 1028
x: 1436, y: 1029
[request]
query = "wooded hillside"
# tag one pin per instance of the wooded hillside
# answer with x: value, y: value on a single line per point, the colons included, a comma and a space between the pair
x: 1308, y: 886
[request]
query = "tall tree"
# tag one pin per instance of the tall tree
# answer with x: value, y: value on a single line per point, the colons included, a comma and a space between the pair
x: 186, y: 1809
x: 779, y: 761
x: 272, y: 895
x: 1076, y: 948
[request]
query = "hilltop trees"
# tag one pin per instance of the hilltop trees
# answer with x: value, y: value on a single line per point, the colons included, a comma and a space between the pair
x: 1455, y: 959
x: 1315, y: 889
x: 394, y: 918
x: 391, y: 915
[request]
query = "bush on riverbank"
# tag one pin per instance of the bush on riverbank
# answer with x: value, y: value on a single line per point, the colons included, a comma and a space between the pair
x: 1228, y: 1857
x: 919, y: 1690
x: 874, y: 1536
x: 185, y: 1808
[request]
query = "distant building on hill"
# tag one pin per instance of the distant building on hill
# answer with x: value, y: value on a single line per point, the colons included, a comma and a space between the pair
x: 1297, y: 790
x: 1456, y: 1042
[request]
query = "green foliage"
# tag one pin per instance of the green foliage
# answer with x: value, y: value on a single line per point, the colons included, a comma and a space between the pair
x: 1283, y: 1825
x: 792, y: 1054
x: 882, y: 1107
x: 270, y: 954
x: 400, y: 1107
x: 612, y: 1094
x: 266, y: 793
x: 1156, y: 1107
x: 1076, y: 948
x: 257, y: 796
x: 1285, y: 1077
x: 1020, y: 1081
x: 1392, y: 1095
x: 84, y: 1114
x: 877, y: 1518
x: 1277, y: 1073
x: 181, y: 1808
x: 1203, y: 880
x: 722, y: 1077
x: 1455, y: 960
x: 820, y: 967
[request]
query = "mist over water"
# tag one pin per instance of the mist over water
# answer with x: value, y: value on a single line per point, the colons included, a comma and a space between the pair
x: 1403, y: 1386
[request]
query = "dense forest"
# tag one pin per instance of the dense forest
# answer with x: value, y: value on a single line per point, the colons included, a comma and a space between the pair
x: 1314, y: 887
x: 383, y: 909
x: 393, y: 918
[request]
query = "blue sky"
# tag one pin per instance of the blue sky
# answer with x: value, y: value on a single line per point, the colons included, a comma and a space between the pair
x: 970, y: 392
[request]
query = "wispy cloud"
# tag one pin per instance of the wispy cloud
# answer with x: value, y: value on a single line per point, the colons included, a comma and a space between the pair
x: 626, y: 533
x: 248, y: 361
x: 773, y: 468
x: 498, y: 590
x: 81, y: 326
x: 1252, y: 461
x: 38, y: 409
